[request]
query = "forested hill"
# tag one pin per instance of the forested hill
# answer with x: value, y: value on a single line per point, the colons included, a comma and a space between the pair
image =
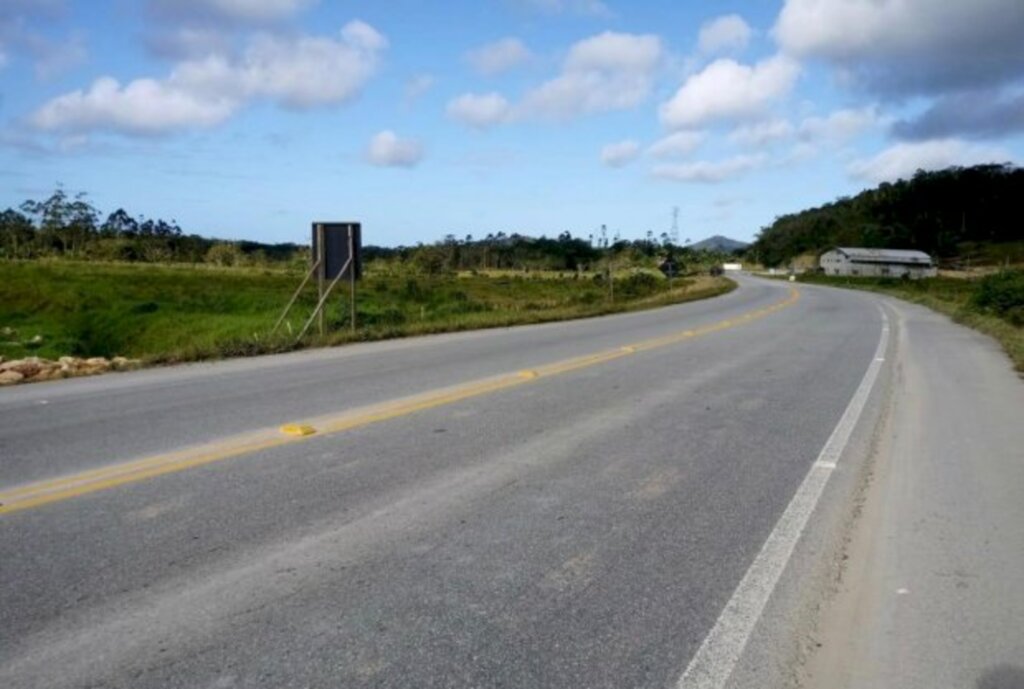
x: 935, y: 212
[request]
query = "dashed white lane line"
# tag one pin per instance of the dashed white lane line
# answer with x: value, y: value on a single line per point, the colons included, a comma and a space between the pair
x: 721, y: 650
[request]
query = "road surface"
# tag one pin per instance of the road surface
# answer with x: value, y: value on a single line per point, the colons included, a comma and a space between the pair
x: 655, y: 499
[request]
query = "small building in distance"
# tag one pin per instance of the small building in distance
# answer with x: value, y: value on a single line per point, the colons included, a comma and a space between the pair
x: 880, y: 263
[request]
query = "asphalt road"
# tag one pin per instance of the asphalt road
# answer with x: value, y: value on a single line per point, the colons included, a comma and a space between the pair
x: 575, y: 525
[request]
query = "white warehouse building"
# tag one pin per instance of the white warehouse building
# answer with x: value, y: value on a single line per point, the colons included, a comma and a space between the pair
x: 883, y: 263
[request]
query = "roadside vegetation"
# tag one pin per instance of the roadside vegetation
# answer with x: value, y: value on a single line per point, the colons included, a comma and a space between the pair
x: 993, y: 304
x: 75, y: 282
x: 956, y: 215
x: 170, y: 313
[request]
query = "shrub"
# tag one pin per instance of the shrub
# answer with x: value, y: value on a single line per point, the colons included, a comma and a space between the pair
x: 224, y: 254
x: 638, y: 285
x: 1002, y: 294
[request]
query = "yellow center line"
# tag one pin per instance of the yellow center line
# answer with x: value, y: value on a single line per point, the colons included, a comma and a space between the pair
x: 81, y: 483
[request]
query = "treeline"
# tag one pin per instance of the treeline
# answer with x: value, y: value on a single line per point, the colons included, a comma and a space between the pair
x: 935, y: 212
x: 500, y: 251
x: 69, y: 226
x: 495, y: 251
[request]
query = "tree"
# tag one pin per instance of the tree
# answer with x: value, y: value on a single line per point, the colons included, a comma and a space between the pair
x: 52, y: 216
x: 69, y: 222
x: 17, y: 233
x: 81, y: 223
x: 119, y: 224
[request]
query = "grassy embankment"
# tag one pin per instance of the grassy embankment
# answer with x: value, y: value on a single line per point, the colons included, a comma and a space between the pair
x: 170, y: 313
x: 993, y: 304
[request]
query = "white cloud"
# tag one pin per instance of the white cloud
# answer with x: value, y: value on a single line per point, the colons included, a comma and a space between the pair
x: 621, y: 153
x: 246, y: 11
x: 144, y: 106
x: 479, y: 110
x: 725, y: 34
x: 895, y: 46
x: 903, y: 160
x: 359, y: 34
x: 299, y: 72
x: 761, y: 133
x: 303, y: 72
x: 388, y: 150
x: 499, y: 56
x: 614, y: 52
x: 728, y: 90
x: 677, y: 145
x: 839, y: 126
x: 709, y: 172
x: 610, y: 71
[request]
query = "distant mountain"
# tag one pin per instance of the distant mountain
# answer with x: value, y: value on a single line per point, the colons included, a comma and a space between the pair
x: 719, y: 243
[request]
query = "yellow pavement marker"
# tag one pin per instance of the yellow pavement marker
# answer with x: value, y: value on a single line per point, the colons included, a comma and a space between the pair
x: 297, y: 429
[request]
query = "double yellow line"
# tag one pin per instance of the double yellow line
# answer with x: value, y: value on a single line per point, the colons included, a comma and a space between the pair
x: 73, y: 485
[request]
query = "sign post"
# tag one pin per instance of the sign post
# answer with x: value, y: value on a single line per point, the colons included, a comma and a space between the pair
x: 352, y: 279
x: 318, y: 241
x: 335, y: 256
x: 338, y: 245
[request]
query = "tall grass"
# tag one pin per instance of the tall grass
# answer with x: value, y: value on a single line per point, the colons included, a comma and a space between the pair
x: 179, y: 313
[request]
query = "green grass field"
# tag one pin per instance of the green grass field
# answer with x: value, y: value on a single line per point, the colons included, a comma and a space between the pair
x: 166, y: 313
x: 993, y: 305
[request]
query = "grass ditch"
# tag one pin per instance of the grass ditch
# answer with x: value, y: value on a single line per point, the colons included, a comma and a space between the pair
x: 174, y: 313
x: 993, y: 304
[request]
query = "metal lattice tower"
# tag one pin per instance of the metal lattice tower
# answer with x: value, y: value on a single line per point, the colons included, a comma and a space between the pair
x: 674, y: 232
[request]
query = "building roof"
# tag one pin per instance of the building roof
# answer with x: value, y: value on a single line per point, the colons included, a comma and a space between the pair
x: 886, y: 256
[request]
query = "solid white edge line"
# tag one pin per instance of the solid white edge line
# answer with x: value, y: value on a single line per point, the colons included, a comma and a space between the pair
x: 718, y: 655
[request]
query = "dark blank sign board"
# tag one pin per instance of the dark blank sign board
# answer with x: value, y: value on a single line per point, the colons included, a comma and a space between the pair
x: 336, y: 248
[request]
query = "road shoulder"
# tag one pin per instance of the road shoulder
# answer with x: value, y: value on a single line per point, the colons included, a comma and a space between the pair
x: 929, y: 591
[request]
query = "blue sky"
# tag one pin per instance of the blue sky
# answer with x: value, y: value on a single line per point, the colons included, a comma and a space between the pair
x: 248, y: 119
